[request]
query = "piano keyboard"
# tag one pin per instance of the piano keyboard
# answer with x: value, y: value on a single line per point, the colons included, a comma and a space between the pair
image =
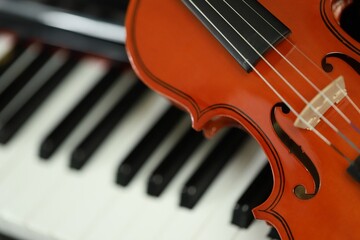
x: 89, y: 153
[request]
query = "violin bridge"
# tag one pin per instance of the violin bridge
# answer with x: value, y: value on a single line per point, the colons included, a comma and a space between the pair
x: 320, y: 104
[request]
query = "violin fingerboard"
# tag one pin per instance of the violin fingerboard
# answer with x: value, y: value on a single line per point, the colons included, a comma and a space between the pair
x: 245, y: 28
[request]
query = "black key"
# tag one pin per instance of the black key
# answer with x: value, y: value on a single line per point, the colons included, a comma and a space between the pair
x: 273, y: 234
x: 212, y: 165
x: 19, y: 82
x: 93, y: 140
x: 258, y: 191
x: 13, y: 56
x: 138, y: 156
x: 173, y: 162
x: 6, y: 237
x: 12, y: 124
x: 58, y: 135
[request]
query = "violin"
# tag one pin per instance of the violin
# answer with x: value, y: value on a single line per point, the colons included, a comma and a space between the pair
x: 285, y: 71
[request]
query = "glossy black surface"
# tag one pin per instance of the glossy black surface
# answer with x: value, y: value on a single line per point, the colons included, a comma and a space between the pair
x: 14, y: 122
x: 58, y: 135
x: 98, y: 134
x: 211, y: 167
x: 174, y: 161
x: 273, y: 234
x: 258, y: 191
x: 138, y: 156
x: 25, y: 76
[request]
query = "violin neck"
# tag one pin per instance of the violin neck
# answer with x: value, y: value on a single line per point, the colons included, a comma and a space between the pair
x: 245, y: 28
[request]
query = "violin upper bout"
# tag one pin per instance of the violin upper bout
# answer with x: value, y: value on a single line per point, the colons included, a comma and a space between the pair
x: 172, y: 64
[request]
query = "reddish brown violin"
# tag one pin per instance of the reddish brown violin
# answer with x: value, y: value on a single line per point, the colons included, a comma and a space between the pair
x: 287, y: 72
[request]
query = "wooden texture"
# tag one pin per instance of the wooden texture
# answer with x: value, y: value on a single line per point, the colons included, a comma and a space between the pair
x: 175, y: 55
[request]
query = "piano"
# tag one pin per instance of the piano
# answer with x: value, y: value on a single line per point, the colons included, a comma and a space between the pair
x: 88, y: 152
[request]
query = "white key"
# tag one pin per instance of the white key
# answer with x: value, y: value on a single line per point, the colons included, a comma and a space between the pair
x: 7, y: 43
x: 72, y: 207
x: 55, y: 106
x: 53, y: 202
x: 98, y: 171
x: 54, y: 63
x: 246, y: 166
x: 94, y: 116
x: 162, y: 210
x: 10, y: 186
x: 23, y: 189
x: 173, y: 192
x: 151, y: 215
x: 131, y: 202
x: 186, y: 224
x: 258, y: 230
x: 28, y: 139
x: 57, y: 171
x: 6, y: 152
x: 26, y: 162
x: 19, y: 65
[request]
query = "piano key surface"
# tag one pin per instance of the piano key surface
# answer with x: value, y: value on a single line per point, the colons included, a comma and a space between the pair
x: 57, y: 136
x: 48, y: 200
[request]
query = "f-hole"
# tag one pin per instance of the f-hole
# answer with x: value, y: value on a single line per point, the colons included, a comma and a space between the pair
x: 300, y: 190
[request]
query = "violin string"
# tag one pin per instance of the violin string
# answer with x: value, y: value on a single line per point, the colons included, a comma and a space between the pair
x: 352, y: 103
x: 332, y: 126
x: 293, y: 66
x: 303, y: 54
x: 302, y: 75
x: 317, y: 133
x: 306, y: 78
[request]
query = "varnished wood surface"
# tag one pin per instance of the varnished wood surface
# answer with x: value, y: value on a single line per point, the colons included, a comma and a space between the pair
x: 174, y: 54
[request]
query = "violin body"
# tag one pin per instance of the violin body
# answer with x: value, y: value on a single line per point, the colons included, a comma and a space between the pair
x: 176, y: 56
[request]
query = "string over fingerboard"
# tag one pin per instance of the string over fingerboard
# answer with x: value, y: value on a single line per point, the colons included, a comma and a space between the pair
x: 245, y: 28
